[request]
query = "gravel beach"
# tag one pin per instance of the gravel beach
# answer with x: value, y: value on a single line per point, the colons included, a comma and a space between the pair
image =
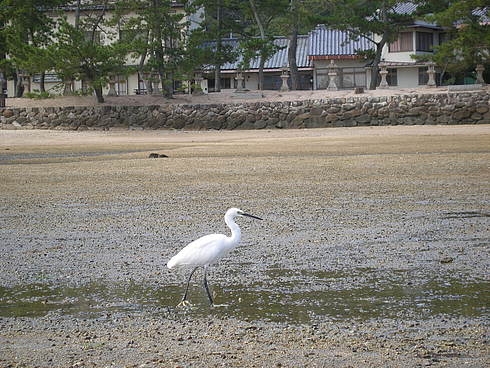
x: 373, y: 251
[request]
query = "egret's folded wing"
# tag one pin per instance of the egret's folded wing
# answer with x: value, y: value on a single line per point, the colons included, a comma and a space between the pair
x: 200, y: 252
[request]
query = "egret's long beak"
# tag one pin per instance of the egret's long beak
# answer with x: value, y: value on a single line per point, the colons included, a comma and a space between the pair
x: 252, y: 216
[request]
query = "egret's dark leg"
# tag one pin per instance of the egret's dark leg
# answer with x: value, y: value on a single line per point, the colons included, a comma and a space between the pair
x: 184, y: 298
x: 206, y: 286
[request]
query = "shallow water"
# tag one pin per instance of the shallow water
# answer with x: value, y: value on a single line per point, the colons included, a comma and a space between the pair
x: 297, y: 297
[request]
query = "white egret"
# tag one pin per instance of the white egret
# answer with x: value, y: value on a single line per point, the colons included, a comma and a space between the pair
x: 208, y: 250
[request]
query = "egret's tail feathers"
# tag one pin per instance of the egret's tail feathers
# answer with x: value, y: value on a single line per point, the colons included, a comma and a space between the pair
x: 171, y: 263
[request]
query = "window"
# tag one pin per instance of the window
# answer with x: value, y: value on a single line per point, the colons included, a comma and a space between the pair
x: 225, y: 83
x: 425, y: 41
x: 272, y: 82
x: 94, y: 37
x: 121, y: 85
x: 353, y: 77
x: 322, y: 78
x: 444, y: 37
x: 129, y: 35
x: 403, y: 43
x: 423, y: 76
x: 48, y: 78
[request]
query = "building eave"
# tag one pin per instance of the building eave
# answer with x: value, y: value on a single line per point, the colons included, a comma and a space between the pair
x: 334, y: 57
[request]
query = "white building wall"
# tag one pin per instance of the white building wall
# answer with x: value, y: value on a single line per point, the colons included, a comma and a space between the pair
x: 408, y: 77
x: 251, y: 81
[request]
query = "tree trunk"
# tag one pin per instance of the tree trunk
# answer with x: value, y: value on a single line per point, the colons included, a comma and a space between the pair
x: 379, y: 50
x: 19, y: 86
x: 293, y: 46
x: 42, y: 87
x: 77, y: 14
x: 293, y: 67
x: 98, y: 94
x: 261, y: 73
x: 255, y: 12
x: 217, y: 66
x: 217, y: 78
x: 376, y: 61
x: 168, y: 85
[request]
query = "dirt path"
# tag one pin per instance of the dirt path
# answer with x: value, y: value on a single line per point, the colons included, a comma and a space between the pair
x: 226, y: 96
x: 373, y: 251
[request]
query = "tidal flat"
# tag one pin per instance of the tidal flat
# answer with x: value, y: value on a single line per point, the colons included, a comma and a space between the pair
x: 373, y: 251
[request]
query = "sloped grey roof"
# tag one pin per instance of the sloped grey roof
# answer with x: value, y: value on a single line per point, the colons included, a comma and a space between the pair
x: 323, y: 41
x: 278, y: 60
x: 405, y: 8
x: 424, y: 24
x: 319, y: 42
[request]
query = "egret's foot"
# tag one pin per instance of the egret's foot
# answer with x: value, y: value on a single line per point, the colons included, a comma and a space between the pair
x: 184, y: 304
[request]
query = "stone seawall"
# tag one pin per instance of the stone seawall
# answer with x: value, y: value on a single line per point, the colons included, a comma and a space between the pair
x: 437, y: 108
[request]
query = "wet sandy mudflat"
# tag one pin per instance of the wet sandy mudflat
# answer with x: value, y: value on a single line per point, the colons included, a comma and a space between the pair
x: 373, y: 252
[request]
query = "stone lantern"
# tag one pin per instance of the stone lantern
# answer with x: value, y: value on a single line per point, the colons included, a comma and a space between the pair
x: 284, y: 78
x: 196, y: 89
x: 155, y: 79
x: 239, y: 81
x: 112, y: 86
x: 479, y: 74
x: 332, y: 77
x: 383, y: 72
x: 67, y: 87
x: 431, y: 83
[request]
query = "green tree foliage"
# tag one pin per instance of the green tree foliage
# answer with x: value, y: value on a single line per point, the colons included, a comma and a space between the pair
x: 81, y: 54
x: 367, y: 18
x: 150, y: 36
x: 220, y: 20
x: 155, y: 34
x: 259, y: 37
x: 467, y: 40
x: 299, y: 17
x: 26, y: 31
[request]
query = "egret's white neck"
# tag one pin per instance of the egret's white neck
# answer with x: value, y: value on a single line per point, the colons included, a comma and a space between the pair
x: 235, y: 232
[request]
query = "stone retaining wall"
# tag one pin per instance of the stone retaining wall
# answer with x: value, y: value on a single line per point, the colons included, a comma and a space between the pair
x: 443, y: 108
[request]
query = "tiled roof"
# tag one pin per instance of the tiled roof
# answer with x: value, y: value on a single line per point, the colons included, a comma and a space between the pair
x: 405, y: 8
x: 331, y: 42
x: 278, y: 60
x: 482, y: 15
x: 320, y: 42
x: 424, y: 24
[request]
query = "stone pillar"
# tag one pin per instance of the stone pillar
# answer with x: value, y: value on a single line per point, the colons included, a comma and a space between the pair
x: 26, y: 82
x: 2, y: 95
x: 383, y: 72
x: 196, y: 89
x: 239, y: 82
x: 431, y: 83
x: 112, y: 86
x: 284, y: 78
x: 155, y: 80
x: 332, y: 77
x: 67, y: 90
x: 147, y: 80
x: 479, y: 74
